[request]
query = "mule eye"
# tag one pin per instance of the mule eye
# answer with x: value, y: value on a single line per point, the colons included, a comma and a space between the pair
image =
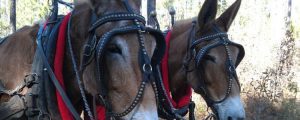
x: 113, y: 48
x: 209, y: 58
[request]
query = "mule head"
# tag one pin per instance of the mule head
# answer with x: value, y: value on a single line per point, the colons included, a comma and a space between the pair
x: 216, y: 58
x: 122, y: 64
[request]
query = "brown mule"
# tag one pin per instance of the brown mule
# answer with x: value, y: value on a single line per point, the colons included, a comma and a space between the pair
x: 207, y: 59
x: 123, y: 71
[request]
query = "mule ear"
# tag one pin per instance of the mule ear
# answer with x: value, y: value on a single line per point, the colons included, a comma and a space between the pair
x: 228, y: 16
x: 208, y: 12
x: 96, y: 4
x: 138, y: 3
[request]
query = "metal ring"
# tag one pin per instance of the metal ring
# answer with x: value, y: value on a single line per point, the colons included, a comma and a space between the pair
x: 43, y: 116
x: 147, y: 68
x: 225, y: 43
x: 142, y: 30
x: 194, y: 52
x: 230, y: 69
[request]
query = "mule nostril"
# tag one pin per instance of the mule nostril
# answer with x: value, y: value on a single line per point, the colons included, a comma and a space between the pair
x: 241, y: 118
x: 229, y: 118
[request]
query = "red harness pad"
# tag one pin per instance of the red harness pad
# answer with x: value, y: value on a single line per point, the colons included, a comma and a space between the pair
x: 58, y: 70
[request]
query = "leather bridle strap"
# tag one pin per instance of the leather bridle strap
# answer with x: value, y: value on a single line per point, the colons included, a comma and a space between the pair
x: 116, y: 17
x: 190, y: 52
x: 144, y: 63
x: 101, y: 45
x: 77, y: 75
x: 201, y: 53
x: 53, y: 78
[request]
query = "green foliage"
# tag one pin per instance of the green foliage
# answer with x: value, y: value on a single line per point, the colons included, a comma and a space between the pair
x: 26, y: 15
x: 168, y: 3
x: 290, y: 110
x: 28, y: 12
x: 4, y: 25
x: 295, y: 29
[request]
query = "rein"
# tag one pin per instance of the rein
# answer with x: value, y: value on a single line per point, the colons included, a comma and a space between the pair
x: 54, y: 80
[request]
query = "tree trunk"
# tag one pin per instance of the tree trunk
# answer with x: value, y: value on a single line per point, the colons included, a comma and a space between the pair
x: 13, y: 15
x: 289, y: 14
x: 1, y: 8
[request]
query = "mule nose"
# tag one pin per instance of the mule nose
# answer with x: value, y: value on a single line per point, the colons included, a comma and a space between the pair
x: 230, y: 109
x: 238, y: 114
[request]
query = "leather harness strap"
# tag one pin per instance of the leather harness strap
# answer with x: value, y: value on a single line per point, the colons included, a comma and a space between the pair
x: 2, y: 40
x: 53, y: 78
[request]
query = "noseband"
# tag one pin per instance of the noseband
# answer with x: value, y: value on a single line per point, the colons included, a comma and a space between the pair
x: 219, y: 38
x: 95, y: 49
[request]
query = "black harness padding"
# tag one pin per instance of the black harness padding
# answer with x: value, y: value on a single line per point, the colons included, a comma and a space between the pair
x: 160, y: 46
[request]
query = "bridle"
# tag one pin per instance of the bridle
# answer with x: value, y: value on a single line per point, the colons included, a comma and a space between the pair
x: 219, y: 38
x: 95, y: 49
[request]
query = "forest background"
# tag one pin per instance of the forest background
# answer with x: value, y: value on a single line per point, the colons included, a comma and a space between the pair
x: 268, y: 29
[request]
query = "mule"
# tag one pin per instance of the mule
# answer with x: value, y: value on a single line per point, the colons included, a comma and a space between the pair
x: 202, y: 56
x: 110, y: 52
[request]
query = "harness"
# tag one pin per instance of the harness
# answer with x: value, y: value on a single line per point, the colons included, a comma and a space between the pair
x: 167, y: 107
x: 94, y: 49
x: 40, y: 90
x: 219, y: 38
